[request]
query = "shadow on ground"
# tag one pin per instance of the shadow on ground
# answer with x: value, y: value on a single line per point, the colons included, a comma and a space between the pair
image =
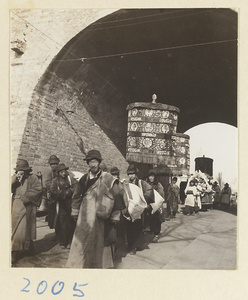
x: 40, y: 247
x: 231, y: 209
x: 122, y: 248
x: 45, y: 244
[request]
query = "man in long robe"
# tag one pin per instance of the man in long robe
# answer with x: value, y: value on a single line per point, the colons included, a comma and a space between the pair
x: 134, y: 229
x: 49, y: 176
x: 226, y: 196
x: 154, y: 219
x: 173, y: 198
x: 26, y: 196
x: 96, y: 204
x: 217, y: 193
x: 121, y: 239
x: 62, y: 189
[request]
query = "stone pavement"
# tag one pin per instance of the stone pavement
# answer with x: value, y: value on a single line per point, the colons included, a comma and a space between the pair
x: 204, y: 241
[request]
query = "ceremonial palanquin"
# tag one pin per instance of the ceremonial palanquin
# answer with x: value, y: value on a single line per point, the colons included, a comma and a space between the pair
x: 152, y: 137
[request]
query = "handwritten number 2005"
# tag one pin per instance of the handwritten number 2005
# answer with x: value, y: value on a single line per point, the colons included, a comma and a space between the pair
x: 56, y: 288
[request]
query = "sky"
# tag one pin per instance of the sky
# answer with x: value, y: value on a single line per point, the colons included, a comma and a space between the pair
x: 220, y: 142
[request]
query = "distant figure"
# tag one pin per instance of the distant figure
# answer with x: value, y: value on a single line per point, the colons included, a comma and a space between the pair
x: 173, y: 198
x: 26, y: 196
x: 53, y: 162
x: 198, y: 204
x: 62, y: 188
x: 205, y: 191
x: 217, y: 192
x: 183, y: 185
x: 191, y: 194
x: 154, y: 219
x: 226, y: 196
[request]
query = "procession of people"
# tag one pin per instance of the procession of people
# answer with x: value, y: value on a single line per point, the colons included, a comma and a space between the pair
x: 97, y: 214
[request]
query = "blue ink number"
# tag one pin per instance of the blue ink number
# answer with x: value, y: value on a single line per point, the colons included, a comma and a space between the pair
x: 38, y: 287
x: 24, y: 289
x: 77, y: 290
x: 42, y: 287
x: 60, y: 283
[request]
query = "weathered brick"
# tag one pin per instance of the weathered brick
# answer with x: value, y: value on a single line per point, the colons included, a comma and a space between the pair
x: 36, y: 131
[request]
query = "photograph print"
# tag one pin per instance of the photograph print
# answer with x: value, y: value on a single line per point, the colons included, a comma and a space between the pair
x: 123, y: 135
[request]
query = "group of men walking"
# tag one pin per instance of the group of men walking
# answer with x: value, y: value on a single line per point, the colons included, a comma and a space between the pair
x: 89, y: 215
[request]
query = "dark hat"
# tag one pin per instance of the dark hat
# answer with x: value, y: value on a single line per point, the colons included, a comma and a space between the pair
x: 22, y: 165
x: 132, y: 170
x: 61, y: 167
x: 93, y: 154
x: 174, y: 178
x: 226, y: 184
x: 151, y: 172
x: 103, y: 166
x: 114, y: 171
x: 53, y: 159
x: 193, y: 181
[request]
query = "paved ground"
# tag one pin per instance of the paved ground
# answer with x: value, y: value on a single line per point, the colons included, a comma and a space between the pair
x: 204, y: 241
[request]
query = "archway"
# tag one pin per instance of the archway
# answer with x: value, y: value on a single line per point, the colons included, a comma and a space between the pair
x: 188, y: 57
x: 219, y: 142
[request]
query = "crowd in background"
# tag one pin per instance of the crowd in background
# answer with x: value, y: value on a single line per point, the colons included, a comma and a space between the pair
x: 96, y: 214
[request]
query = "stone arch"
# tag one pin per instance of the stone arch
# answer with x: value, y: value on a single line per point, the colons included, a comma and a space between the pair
x: 87, y: 98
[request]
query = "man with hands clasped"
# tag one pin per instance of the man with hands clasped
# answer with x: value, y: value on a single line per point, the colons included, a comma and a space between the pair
x: 62, y: 188
x: 26, y: 196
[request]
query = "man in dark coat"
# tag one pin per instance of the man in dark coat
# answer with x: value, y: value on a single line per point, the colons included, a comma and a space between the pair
x: 62, y: 188
x: 121, y: 226
x: 226, y: 196
x: 173, y: 198
x: 135, y: 229
x: 53, y: 162
x: 217, y: 193
x: 154, y: 219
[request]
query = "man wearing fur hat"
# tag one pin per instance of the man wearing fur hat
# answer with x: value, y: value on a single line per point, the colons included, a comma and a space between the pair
x: 26, y: 196
x: 96, y: 204
x: 62, y: 188
x: 135, y: 229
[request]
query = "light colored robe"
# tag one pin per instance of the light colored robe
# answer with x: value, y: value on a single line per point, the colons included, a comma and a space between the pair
x: 191, y: 194
x: 25, y: 199
x: 89, y: 248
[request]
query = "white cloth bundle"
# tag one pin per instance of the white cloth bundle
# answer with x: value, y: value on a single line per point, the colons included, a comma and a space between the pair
x: 76, y: 175
x: 136, y: 201
x: 158, y: 201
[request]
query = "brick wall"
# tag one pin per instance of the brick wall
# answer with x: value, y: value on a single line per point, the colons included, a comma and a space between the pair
x: 58, y: 123
x: 47, y: 116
